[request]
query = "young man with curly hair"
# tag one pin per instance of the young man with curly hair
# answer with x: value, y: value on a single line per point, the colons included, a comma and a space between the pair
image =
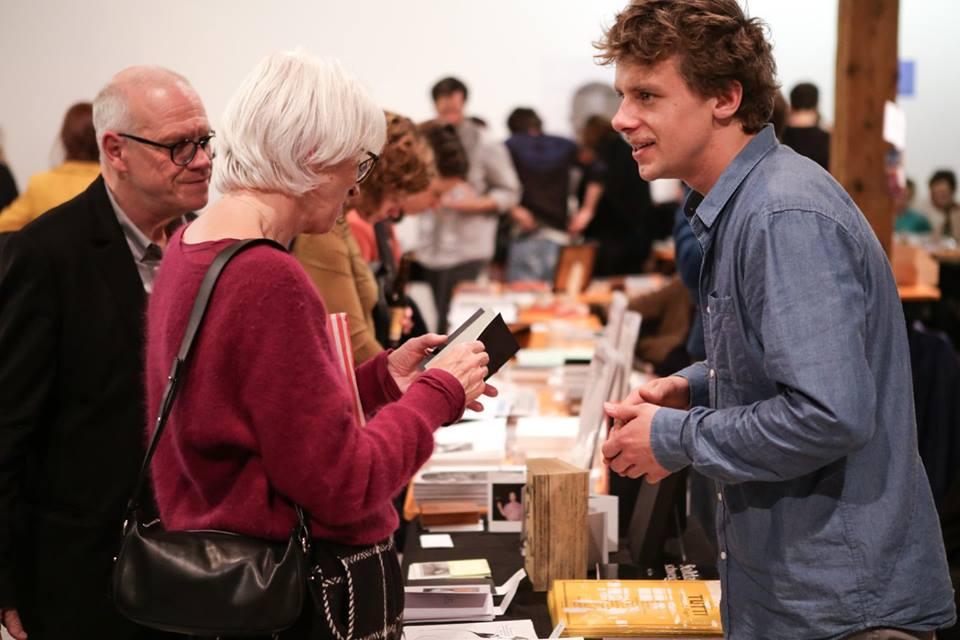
x: 803, y: 410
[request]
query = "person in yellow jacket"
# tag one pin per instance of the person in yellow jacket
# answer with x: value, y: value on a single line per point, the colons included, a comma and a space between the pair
x: 51, y: 188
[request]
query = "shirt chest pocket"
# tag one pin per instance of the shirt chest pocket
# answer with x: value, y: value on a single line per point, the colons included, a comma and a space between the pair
x: 727, y: 351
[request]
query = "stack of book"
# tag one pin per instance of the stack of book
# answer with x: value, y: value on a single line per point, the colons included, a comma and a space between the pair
x: 459, y: 493
x: 455, y: 590
x: 630, y: 608
x: 454, y: 499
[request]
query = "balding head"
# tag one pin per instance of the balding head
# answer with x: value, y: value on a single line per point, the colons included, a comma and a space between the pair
x: 141, y: 116
x: 119, y: 105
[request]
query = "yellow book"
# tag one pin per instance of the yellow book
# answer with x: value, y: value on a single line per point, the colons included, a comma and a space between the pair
x: 625, y: 608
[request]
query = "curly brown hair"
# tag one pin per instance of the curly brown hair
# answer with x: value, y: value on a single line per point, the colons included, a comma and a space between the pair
x: 405, y: 166
x: 449, y: 155
x: 716, y: 43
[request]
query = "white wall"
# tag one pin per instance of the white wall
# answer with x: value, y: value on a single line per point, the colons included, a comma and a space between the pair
x: 531, y: 52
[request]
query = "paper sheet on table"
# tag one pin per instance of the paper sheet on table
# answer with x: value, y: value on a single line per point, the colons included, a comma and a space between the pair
x: 471, y: 442
x: 508, y: 589
x: 436, y: 541
x: 505, y: 628
x: 548, y: 427
x: 553, y: 357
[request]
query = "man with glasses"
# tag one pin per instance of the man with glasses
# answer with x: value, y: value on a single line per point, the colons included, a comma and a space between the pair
x: 73, y: 288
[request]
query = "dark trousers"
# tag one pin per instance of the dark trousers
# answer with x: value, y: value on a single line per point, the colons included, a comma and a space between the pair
x: 65, y: 585
x: 892, y: 634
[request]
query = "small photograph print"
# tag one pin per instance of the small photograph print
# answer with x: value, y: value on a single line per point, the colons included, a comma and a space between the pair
x: 506, y: 506
x: 435, y: 569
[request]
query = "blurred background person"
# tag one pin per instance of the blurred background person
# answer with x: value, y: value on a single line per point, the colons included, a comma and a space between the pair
x: 48, y: 189
x: 803, y: 133
x: 908, y: 219
x: 544, y: 164
x: 779, y: 117
x: 943, y: 210
x: 621, y: 220
x: 8, y: 186
x: 465, y: 225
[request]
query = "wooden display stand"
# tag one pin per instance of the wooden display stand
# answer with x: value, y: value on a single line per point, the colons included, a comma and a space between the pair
x: 555, y: 522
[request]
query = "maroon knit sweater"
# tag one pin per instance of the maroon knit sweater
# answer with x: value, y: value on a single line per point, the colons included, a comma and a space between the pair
x: 263, y: 416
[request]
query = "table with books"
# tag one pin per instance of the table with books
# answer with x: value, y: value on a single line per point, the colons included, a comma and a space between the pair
x: 462, y: 550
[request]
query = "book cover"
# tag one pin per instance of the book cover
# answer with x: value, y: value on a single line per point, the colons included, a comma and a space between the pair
x: 625, y: 608
x: 490, y: 329
x: 449, y: 569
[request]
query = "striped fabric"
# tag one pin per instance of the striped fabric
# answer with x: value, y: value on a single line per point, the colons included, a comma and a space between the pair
x: 339, y: 330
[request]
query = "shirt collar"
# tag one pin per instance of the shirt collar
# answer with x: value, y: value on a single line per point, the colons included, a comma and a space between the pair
x: 137, y: 239
x: 708, y: 207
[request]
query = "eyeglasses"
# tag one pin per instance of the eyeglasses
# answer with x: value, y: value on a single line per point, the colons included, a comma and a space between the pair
x: 181, y: 153
x: 365, y: 168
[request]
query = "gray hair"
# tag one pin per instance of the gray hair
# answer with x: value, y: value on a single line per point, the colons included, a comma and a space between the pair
x: 111, y: 107
x: 292, y: 112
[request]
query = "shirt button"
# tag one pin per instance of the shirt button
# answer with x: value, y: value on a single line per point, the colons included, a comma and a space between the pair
x: 713, y: 373
x: 719, y: 497
x: 708, y: 309
x: 723, y: 555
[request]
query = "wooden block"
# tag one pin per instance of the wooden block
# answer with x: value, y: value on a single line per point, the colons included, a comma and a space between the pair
x: 555, y: 522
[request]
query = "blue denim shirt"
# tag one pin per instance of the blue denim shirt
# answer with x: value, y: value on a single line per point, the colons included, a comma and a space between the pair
x: 803, y: 411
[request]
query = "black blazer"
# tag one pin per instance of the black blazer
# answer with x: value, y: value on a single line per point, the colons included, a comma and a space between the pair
x: 71, y: 414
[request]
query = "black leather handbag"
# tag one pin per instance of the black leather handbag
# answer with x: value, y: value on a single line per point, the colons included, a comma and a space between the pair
x: 207, y: 583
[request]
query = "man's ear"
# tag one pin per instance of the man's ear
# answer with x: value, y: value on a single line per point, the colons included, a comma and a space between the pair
x: 113, y: 151
x: 728, y: 101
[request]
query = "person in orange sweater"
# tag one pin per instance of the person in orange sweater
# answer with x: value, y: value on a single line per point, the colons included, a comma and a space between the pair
x: 334, y: 260
x: 51, y: 188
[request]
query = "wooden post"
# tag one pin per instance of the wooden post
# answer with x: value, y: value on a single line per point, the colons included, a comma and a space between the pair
x: 866, y: 79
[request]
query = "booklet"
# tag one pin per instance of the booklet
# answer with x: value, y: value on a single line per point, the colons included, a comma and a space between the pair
x: 628, y: 608
x: 456, y: 600
x: 449, y: 569
x: 490, y: 329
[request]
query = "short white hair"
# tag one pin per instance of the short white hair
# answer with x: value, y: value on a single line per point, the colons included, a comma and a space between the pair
x: 111, y: 107
x: 292, y: 112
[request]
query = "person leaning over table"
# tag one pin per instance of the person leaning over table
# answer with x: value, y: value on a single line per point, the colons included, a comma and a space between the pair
x: 803, y: 410
x: 264, y: 419
x: 334, y: 261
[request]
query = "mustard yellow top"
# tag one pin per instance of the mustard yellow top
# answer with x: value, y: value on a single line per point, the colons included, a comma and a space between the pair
x: 344, y: 281
x: 46, y: 190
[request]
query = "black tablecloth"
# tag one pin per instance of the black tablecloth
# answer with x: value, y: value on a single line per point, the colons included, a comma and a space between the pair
x: 502, y: 551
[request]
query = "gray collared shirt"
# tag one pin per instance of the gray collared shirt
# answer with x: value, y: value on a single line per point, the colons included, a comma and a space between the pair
x: 803, y: 411
x: 457, y: 237
x: 146, y: 254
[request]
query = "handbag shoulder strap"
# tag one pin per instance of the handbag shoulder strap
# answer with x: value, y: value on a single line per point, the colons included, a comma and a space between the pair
x: 173, y: 379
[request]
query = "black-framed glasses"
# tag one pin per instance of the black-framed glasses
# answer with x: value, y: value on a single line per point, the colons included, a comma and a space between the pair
x: 365, y: 168
x: 181, y: 153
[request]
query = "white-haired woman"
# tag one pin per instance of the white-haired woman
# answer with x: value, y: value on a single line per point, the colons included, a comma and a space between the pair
x: 264, y: 418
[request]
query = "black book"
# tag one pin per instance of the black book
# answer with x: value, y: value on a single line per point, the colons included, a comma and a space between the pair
x: 490, y: 329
